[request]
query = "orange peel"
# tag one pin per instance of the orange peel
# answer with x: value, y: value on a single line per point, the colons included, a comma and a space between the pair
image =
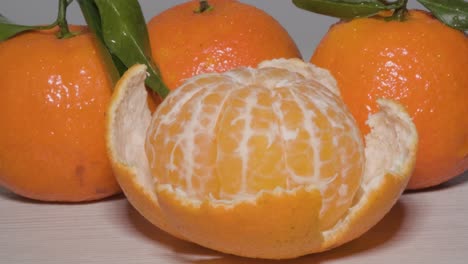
x: 287, y: 217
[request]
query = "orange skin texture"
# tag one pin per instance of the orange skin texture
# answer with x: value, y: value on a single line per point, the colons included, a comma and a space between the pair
x: 53, y: 98
x: 419, y: 62
x: 231, y: 34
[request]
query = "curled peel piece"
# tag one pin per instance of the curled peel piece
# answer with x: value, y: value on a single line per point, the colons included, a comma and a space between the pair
x: 275, y: 223
x: 390, y: 157
x: 128, y: 117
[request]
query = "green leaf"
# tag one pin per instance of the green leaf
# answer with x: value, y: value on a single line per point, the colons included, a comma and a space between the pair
x: 347, y: 9
x: 93, y: 19
x: 453, y: 13
x: 8, y: 30
x: 126, y: 36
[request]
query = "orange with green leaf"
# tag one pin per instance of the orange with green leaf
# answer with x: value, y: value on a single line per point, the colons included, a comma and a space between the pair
x: 409, y: 56
x: 55, y: 88
x: 54, y: 94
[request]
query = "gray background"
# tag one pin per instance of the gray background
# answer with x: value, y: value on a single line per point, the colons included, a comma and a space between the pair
x: 304, y: 27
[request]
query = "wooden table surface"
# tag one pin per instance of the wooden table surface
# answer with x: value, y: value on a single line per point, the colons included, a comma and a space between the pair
x: 427, y: 227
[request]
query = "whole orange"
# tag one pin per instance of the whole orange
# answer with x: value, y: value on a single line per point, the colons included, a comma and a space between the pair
x: 186, y: 41
x: 53, y: 97
x: 421, y: 63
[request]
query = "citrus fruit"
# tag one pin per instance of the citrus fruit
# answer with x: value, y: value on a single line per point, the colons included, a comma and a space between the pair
x: 186, y: 41
x: 417, y: 62
x: 53, y: 97
x: 262, y: 162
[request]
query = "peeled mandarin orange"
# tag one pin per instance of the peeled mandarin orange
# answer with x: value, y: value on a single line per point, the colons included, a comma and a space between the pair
x: 262, y: 162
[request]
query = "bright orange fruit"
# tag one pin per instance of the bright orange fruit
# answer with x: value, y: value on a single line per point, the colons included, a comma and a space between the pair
x: 265, y: 162
x: 419, y: 62
x: 230, y: 34
x: 53, y: 98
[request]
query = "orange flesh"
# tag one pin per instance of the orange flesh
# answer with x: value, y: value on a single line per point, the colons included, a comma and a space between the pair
x: 227, y: 139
